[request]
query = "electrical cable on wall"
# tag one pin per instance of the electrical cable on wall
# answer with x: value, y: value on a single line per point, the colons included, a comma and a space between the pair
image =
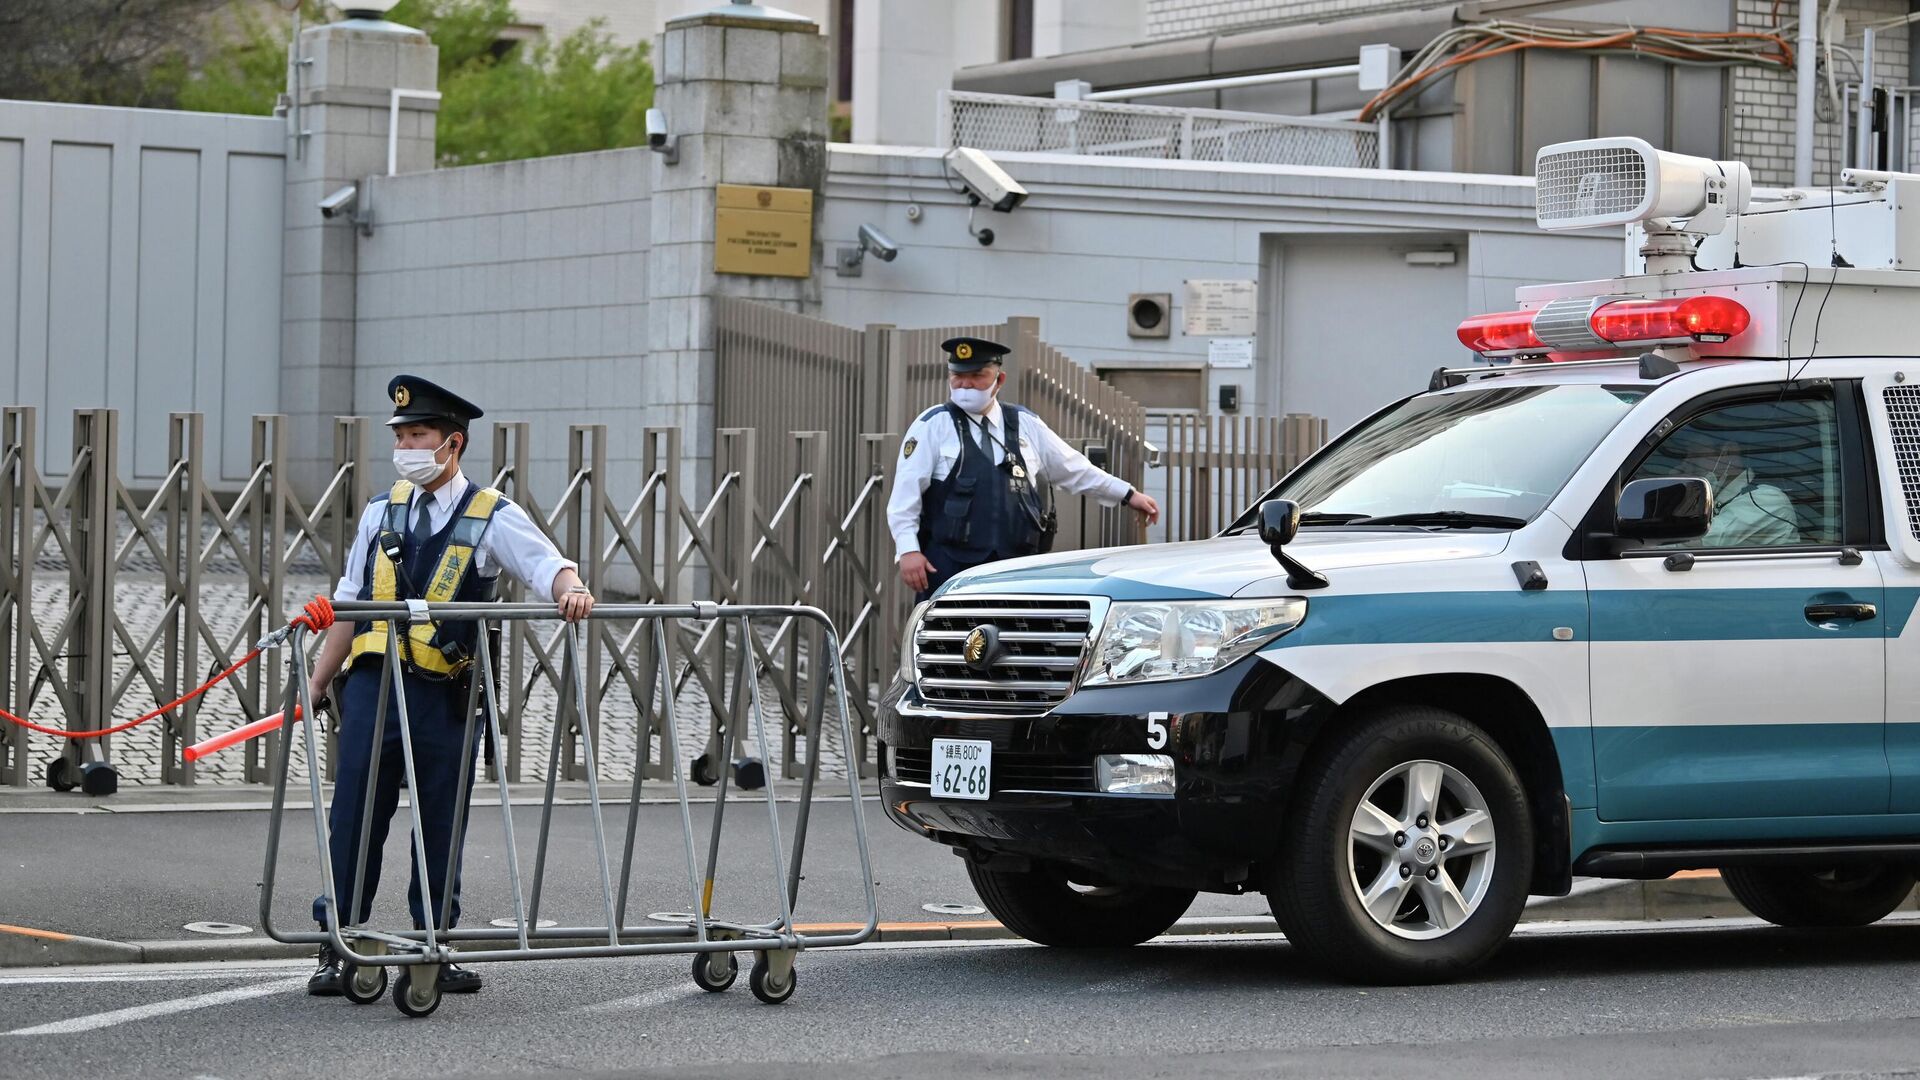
x: 1480, y: 41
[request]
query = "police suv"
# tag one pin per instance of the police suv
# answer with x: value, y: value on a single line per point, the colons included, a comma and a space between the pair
x: 1633, y: 594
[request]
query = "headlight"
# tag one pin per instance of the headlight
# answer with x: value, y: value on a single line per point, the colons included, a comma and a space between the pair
x: 907, y: 671
x: 1150, y: 642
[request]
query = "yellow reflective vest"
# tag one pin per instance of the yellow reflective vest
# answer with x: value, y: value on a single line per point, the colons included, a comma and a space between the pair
x: 420, y: 648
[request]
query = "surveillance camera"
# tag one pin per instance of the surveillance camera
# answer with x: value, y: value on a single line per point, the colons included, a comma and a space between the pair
x: 986, y: 182
x: 872, y: 239
x: 658, y: 138
x: 849, y: 259
x: 340, y: 202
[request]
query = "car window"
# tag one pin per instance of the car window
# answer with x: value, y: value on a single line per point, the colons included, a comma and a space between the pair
x: 1774, y: 466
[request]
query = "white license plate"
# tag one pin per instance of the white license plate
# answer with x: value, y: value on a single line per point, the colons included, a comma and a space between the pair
x: 962, y: 768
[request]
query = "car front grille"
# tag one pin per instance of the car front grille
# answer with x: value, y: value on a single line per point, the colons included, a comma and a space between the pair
x: 1039, y: 641
x: 1011, y: 771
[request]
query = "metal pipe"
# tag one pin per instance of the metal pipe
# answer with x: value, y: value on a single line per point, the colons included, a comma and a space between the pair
x: 1803, y: 118
x: 1228, y: 83
x: 1863, y: 126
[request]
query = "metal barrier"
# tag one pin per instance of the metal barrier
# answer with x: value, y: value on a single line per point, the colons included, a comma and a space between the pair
x: 87, y: 657
x: 141, y: 595
x: 420, y: 952
x: 1009, y: 122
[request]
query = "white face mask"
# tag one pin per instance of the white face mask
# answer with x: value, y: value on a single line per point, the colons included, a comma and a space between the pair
x: 419, y: 466
x: 975, y: 402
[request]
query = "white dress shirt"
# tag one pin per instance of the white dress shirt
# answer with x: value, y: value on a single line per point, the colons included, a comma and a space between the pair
x: 1746, y: 514
x: 931, y: 451
x: 512, y: 542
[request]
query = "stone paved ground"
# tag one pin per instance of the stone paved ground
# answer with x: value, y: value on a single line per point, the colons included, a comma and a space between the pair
x: 140, y: 602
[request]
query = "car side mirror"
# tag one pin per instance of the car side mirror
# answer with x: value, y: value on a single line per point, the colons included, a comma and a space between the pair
x: 1664, y: 508
x: 1279, y: 522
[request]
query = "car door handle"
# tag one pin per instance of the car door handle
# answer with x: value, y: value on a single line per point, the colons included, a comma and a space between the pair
x: 1820, y: 613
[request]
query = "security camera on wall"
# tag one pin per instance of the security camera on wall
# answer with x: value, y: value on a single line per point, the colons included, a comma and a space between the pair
x: 986, y: 182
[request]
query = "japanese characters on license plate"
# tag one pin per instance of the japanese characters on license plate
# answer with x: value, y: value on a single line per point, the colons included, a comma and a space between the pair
x: 962, y: 768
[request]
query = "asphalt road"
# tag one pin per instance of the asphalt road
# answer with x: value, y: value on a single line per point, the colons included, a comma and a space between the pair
x: 143, y: 876
x: 1730, y: 1000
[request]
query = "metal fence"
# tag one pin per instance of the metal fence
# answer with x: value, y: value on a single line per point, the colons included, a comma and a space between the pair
x: 1105, y: 129
x: 1218, y: 465
x: 107, y: 590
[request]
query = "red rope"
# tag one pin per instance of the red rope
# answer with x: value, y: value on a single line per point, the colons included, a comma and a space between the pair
x: 316, y: 616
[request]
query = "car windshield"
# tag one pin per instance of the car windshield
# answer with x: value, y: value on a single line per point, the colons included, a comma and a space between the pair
x: 1490, y: 457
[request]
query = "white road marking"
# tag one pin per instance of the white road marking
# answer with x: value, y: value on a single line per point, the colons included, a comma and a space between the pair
x: 178, y: 972
x: 657, y: 996
x: 160, y: 1008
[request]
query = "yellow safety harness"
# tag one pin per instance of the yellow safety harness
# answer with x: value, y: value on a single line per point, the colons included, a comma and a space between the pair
x: 419, y: 647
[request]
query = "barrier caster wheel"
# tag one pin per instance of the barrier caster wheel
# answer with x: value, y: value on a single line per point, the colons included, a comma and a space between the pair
x: 416, y: 1001
x: 60, y: 775
x: 703, y: 772
x: 363, y: 985
x: 714, y: 972
x: 763, y: 982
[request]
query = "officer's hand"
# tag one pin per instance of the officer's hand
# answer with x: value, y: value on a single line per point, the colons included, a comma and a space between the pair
x: 1144, y: 503
x: 319, y: 685
x: 574, y: 606
x: 914, y: 569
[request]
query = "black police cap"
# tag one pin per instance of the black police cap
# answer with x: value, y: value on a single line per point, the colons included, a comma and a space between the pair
x: 416, y: 400
x: 966, y: 354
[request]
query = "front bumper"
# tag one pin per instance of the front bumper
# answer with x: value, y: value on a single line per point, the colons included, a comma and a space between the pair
x: 1236, y: 738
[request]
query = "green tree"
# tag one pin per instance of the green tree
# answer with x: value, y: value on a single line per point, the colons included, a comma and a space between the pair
x: 500, y: 100
x: 100, y: 52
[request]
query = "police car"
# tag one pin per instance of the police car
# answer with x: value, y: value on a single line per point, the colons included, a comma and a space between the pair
x: 1634, y: 593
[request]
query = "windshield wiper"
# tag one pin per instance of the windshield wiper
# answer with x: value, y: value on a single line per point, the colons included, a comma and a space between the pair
x: 1250, y: 521
x: 1447, y: 519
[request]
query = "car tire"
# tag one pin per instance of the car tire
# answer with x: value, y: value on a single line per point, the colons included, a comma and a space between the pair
x: 1813, y: 896
x: 1042, y: 906
x: 1446, y: 818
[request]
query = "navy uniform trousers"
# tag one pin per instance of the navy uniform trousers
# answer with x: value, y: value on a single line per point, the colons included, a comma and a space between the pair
x: 435, y: 711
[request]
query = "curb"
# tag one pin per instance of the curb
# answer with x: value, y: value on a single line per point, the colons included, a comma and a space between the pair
x: 1691, y: 895
x: 23, y: 946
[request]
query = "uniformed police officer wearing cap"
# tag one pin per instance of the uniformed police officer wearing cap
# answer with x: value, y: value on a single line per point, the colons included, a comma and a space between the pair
x: 435, y: 536
x: 965, y: 489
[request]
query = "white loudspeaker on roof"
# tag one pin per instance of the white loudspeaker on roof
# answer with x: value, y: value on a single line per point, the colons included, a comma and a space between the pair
x: 1618, y: 181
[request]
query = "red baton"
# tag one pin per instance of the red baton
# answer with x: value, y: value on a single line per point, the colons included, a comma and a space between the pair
x: 237, y: 735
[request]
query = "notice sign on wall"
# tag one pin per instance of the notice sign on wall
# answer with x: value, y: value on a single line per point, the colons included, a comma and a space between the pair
x: 1217, y: 308
x: 763, y: 230
x: 1230, y: 352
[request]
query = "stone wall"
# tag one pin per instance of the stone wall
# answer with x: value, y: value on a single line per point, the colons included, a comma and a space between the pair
x: 522, y: 286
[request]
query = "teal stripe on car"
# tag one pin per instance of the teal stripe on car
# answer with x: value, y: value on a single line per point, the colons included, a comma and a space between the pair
x: 1620, y: 615
x: 1425, y: 618
x: 1675, y: 773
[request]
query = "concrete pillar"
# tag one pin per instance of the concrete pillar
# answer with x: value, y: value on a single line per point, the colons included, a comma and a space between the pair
x: 1068, y: 26
x: 743, y: 90
x: 903, y: 56
x: 352, y: 68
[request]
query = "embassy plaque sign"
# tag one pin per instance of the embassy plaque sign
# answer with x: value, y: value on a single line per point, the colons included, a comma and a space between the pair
x: 763, y: 230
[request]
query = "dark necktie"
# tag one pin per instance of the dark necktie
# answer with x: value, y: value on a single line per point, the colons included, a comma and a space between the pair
x: 417, y: 538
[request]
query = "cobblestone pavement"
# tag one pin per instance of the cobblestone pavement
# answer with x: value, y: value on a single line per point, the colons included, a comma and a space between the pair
x: 140, y: 603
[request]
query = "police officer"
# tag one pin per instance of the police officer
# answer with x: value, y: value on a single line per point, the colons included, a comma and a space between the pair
x: 965, y: 489
x: 440, y: 537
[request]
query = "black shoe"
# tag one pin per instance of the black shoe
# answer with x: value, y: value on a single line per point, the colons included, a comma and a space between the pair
x: 457, y: 980
x: 327, y: 980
